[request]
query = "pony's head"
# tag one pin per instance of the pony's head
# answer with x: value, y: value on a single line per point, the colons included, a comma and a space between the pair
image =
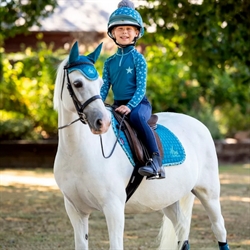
x: 82, y: 95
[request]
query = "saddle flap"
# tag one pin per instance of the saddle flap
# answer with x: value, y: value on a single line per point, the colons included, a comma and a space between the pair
x: 137, y: 147
x: 152, y: 122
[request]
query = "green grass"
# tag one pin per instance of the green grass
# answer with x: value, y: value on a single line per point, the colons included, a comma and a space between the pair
x: 241, y: 169
x: 34, y: 217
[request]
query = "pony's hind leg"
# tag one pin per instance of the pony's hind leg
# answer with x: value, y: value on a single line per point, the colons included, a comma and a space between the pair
x: 210, y: 199
x: 180, y: 214
x: 79, y: 222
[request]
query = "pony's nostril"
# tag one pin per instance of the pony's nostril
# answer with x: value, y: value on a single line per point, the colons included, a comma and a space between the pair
x: 99, y: 123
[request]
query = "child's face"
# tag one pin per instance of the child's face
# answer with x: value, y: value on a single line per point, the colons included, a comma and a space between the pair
x: 125, y: 35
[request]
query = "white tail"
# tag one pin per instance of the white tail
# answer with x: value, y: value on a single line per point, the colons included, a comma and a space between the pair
x: 167, y: 235
x: 180, y: 225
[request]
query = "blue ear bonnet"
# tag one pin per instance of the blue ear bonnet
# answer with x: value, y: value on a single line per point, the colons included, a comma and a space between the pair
x: 83, y: 64
x: 85, y: 67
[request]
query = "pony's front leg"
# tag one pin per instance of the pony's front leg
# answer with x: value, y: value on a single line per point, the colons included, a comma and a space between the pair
x: 114, y: 214
x: 79, y: 222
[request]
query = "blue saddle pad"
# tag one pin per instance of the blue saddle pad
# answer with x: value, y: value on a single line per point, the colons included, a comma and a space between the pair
x: 173, y: 151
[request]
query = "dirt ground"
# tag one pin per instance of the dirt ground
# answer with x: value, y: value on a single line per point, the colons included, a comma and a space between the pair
x: 32, y: 215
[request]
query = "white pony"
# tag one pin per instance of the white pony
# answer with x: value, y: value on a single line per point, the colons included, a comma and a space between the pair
x: 90, y: 182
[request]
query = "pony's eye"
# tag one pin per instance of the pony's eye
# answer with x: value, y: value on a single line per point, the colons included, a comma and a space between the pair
x: 78, y: 84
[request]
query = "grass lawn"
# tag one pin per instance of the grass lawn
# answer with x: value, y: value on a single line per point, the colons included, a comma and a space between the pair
x: 32, y: 215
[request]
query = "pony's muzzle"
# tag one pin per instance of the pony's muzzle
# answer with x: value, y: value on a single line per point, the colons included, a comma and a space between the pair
x: 99, y: 122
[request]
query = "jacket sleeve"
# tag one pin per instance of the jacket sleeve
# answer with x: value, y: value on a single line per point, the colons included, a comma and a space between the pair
x: 141, y: 80
x: 106, y: 82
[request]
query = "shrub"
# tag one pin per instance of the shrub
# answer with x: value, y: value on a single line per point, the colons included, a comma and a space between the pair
x: 16, y: 129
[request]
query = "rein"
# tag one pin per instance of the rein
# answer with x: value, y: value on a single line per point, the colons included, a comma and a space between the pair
x: 117, y: 138
x: 79, y: 107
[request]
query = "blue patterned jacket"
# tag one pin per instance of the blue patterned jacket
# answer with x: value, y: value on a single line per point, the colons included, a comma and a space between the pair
x: 126, y: 72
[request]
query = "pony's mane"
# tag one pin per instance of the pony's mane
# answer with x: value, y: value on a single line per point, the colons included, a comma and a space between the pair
x: 58, y: 82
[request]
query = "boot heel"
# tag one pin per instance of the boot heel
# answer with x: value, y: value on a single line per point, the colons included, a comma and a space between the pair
x: 153, y: 169
x: 158, y: 176
x: 162, y: 173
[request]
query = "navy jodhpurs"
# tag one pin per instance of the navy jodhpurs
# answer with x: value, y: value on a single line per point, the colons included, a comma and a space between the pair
x: 138, y: 118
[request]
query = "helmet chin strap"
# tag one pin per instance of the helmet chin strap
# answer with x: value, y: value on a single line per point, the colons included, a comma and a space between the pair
x: 127, y: 45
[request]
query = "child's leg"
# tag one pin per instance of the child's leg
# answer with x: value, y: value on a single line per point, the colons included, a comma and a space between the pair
x: 138, y: 118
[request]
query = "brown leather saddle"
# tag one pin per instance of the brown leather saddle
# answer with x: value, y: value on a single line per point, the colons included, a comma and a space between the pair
x: 138, y: 149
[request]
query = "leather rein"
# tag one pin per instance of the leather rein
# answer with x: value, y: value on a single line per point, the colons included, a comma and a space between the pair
x: 79, y: 107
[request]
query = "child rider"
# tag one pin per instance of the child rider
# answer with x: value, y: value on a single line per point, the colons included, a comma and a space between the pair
x: 126, y: 73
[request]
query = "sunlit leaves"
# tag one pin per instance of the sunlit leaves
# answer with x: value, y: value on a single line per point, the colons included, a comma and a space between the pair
x: 16, y: 16
x: 27, y: 87
x: 205, y: 43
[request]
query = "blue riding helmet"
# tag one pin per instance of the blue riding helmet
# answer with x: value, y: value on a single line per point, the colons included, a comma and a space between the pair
x: 125, y: 16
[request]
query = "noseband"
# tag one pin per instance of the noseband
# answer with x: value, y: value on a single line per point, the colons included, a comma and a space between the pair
x: 79, y: 107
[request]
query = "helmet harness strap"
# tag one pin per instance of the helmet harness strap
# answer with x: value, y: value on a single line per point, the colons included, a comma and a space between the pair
x: 127, y: 45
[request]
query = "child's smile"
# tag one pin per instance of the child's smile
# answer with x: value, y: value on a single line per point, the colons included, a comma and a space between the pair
x: 125, y: 35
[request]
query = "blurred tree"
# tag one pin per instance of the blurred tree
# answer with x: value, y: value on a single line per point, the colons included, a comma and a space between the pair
x: 216, y: 33
x: 17, y: 16
x: 26, y: 100
x: 204, y: 51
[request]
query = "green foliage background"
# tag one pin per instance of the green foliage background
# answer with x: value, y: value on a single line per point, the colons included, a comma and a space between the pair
x: 223, y: 105
x: 17, y: 17
x: 202, y: 53
x: 26, y: 103
x: 198, y: 64
x: 26, y: 106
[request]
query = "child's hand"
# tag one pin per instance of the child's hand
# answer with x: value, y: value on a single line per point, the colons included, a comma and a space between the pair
x: 124, y: 110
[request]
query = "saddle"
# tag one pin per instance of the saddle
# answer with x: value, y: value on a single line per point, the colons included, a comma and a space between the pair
x: 138, y: 149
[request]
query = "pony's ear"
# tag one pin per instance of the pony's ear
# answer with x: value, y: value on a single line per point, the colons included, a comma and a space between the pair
x: 74, y: 53
x: 94, y: 55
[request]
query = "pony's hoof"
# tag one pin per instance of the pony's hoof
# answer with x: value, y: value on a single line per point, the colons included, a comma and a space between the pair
x: 225, y: 247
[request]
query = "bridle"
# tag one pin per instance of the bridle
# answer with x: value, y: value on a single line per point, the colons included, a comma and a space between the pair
x: 79, y: 107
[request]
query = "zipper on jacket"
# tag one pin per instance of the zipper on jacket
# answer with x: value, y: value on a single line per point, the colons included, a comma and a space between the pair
x: 120, y: 63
